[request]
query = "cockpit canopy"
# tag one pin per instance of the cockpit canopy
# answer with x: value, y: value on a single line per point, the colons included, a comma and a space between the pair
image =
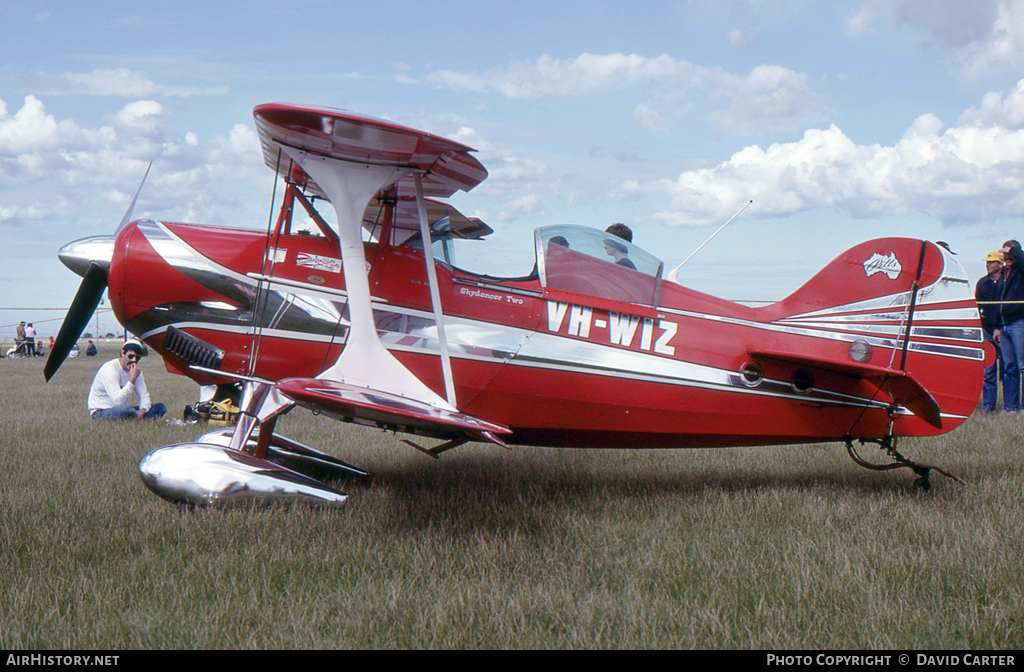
x: 590, y: 261
x: 572, y: 258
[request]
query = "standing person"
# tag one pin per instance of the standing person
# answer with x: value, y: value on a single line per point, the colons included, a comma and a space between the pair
x: 19, y: 338
x: 114, y: 384
x: 30, y: 338
x: 1010, y: 336
x: 989, y: 289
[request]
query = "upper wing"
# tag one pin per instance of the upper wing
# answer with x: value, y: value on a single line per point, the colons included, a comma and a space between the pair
x: 446, y: 166
x: 350, y: 160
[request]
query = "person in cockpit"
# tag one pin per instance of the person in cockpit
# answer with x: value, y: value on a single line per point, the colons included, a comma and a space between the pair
x: 621, y: 230
x: 618, y: 252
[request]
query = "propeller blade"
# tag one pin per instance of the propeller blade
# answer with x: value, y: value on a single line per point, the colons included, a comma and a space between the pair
x: 128, y: 214
x: 88, y: 297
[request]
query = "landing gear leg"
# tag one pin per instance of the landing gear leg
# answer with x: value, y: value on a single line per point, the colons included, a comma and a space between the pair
x: 888, y: 444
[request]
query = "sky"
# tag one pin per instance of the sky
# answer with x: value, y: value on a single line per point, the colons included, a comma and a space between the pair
x: 842, y: 121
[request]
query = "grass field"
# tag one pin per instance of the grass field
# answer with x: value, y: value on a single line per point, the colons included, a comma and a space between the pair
x: 792, y: 547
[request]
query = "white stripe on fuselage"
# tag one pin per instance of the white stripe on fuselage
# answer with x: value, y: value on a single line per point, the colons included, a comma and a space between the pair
x: 520, y: 347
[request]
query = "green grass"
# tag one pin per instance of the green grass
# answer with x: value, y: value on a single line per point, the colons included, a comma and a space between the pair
x: 788, y: 547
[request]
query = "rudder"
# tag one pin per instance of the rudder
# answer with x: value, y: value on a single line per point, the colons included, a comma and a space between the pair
x: 865, y: 301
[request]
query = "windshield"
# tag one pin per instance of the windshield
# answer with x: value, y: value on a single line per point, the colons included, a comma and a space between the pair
x: 440, y: 244
x: 590, y: 261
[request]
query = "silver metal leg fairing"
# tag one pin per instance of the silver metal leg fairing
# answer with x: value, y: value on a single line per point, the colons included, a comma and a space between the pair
x: 205, y: 474
x: 290, y: 454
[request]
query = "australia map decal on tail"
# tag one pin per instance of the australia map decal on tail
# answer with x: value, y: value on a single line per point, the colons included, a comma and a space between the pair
x: 889, y: 265
x: 368, y: 320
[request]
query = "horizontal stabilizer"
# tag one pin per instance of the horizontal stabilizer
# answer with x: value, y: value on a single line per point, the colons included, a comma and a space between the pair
x: 364, y: 405
x: 900, y: 385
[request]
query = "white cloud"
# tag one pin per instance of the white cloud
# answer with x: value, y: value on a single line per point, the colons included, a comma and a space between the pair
x: 770, y: 97
x: 120, y: 82
x: 862, y: 21
x: 630, y: 190
x: 509, y: 177
x: 524, y: 207
x: 94, y: 169
x: 33, y: 142
x: 649, y: 118
x: 981, y: 36
x: 515, y: 169
x: 997, y: 110
x: 1002, y: 48
x: 589, y: 73
x: 144, y: 116
x: 953, y: 23
x: 967, y: 173
x: 116, y: 82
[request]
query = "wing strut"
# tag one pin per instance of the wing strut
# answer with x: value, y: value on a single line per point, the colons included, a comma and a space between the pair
x: 435, y: 292
x: 364, y: 362
x: 348, y: 160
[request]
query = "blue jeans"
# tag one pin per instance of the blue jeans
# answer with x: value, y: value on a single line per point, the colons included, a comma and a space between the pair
x: 128, y: 412
x: 990, y: 386
x: 1011, y: 346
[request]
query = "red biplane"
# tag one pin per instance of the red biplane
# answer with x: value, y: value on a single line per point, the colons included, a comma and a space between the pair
x: 593, y: 347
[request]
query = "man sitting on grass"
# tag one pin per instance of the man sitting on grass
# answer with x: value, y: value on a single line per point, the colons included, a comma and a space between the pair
x: 111, y: 392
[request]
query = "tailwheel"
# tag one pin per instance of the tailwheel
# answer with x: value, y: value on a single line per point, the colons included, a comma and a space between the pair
x: 888, y: 444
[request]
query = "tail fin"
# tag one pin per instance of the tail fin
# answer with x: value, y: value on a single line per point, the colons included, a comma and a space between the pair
x: 876, y: 274
x: 862, y: 305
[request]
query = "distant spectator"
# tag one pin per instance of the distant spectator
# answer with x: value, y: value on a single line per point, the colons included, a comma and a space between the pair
x: 19, y: 339
x: 30, y: 339
x: 115, y: 383
x: 1010, y: 335
x: 90, y: 350
x: 987, y: 292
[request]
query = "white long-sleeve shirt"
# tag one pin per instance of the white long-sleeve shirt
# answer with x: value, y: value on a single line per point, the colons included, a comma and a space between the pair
x: 111, y: 387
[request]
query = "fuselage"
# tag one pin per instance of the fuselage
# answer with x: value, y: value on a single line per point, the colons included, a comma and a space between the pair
x: 573, y: 362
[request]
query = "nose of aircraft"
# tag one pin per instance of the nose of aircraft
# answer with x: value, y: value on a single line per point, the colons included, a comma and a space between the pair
x: 89, y: 258
x: 78, y: 254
